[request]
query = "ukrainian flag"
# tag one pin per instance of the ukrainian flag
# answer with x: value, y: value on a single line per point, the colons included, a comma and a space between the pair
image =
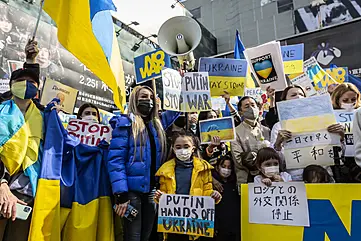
x: 20, y: 140
x: 320, y: 78
x: 73, y: 197
x: 85, y: 28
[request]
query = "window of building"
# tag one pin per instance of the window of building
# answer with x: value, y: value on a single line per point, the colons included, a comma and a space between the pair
x: 284, y: 5
x: 196, y: 12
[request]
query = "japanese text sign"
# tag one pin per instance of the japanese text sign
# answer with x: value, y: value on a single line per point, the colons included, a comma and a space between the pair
x: 311, y: 148
x: 307, y: 114
x: 283, y: 203
x: 184, y: 214
x: 172, y: 88
x: 292, y: 56
x: 196, y: 94
x: 225, y: 75
x: 345, y: 118
x: 89, y: 133
x: 150, y: 65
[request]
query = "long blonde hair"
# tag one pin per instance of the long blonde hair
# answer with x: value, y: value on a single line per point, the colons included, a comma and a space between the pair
x: 138, y: 127
x: 342, y: 89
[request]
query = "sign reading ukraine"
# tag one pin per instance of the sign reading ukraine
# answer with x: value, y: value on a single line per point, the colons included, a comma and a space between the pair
x: 150, y: 65
x: 225, y: 75
x: 292, y: 56
x: 184, y: 214
x: 334, y: 212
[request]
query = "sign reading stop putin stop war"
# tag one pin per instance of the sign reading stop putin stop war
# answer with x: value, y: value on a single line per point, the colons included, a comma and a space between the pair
x: 225, y: 75
x: 184, y: 214
x: 89, y: 133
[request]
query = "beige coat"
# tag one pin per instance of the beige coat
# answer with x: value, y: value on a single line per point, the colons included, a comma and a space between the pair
x: 244, y: 149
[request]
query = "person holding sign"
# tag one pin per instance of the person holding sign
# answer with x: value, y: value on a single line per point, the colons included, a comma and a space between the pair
x: 269, y: 165
x: 185, y: 174
x: 89, y: 112
x: 250, y: 137
x: 136, y: 151
x: 279, y: 136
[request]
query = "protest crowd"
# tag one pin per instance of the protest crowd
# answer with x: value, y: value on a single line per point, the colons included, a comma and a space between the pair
x: 176, y: 167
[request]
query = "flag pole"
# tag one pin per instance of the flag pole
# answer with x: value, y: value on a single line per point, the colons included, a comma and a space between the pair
x: 38, y: 20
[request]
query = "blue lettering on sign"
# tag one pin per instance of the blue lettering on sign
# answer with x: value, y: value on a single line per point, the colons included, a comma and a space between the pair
x: 324, y: 219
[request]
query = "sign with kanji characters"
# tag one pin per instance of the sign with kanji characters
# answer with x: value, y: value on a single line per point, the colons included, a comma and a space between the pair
x: 283, y: 203
x: 184, y: 214
x: 345, y: 118
x: 334, y: 212
x: 311, y: 148
x: 307, y: 114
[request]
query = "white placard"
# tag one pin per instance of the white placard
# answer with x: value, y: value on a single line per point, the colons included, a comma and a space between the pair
x: 304, y: 81
x: 4, y: 85
x: 284, y: 203
x: 345, y: 118
x: 312, y: 139
x: 172, y: 88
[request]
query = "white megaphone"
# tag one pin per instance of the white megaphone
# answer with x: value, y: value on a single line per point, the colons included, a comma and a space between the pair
x: 179, y: 36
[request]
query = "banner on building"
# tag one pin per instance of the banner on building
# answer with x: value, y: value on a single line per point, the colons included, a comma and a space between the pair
x: 150, y: 65
x: 334, y: 212
x: 89, y: 133
x: 184, y: 214
x: 225, y: 75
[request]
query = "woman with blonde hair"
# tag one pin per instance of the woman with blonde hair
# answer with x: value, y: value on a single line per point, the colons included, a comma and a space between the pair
x: 346, y: 96
x: 137, y: 150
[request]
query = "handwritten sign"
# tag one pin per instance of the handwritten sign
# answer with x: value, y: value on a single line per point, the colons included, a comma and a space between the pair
x: 196, y: 94
x: 172, y: 88
x: 307, y: 114
x: 222, y: 127
x: 311, y: 148
x: 320, y: 78
x: 253, y: 92
x: 4, y: 85
x: 150, y: 65
x: 345, y: 118
x: 88, y: 132
x: 284, y: 203
x: 292, y: 56
x: 340, y: 74
x: 183, y: 214
x: 305, y: 82
x: 67, y: 95
x: 225, y: 75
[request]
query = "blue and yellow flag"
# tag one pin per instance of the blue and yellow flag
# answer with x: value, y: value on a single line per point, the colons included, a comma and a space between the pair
x: 20, y: 140
x: 73, y: 197
x: 85, y: 28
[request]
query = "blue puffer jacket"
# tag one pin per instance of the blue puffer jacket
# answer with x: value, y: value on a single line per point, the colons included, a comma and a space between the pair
x: 125, y: 173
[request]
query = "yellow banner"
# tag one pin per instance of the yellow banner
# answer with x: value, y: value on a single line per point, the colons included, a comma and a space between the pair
x: 335, y: 215
x: 233, y: 85
x: 293, y: 67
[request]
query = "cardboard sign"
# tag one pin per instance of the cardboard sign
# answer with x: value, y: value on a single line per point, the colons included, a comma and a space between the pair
x: 334, y: 212
x: 150, y: 65
x: 88, y: 132
x: 320, y: 78
x: 284, y: 203
x: 67, y: 95
x: 184, y: 214
x: 306, y: 115
x: 292, y: 56
x: 345, y: 118
x: 267, y: 65
x: 225, y: 75
x: 222, y: 127
x: 305, y: 82
x: 311, y: 148
x: 172, y: 89
x: 4, y: 85
x: 196, y: 94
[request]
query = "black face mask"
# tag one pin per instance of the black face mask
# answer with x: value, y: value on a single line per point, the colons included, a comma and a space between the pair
x: 180, y: 121
x: 145, y: 107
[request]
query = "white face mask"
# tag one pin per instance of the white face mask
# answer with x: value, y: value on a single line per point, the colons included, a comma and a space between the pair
x: 225, y: 172
x: 91, y: 118
x: 348, y: 106
x: 183, y: 154
x: 270, y: 171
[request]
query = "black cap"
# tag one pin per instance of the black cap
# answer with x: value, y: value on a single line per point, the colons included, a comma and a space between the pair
x: 20, y: 73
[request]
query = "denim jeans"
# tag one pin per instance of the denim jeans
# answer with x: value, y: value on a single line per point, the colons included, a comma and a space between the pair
x: 141, y: 227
